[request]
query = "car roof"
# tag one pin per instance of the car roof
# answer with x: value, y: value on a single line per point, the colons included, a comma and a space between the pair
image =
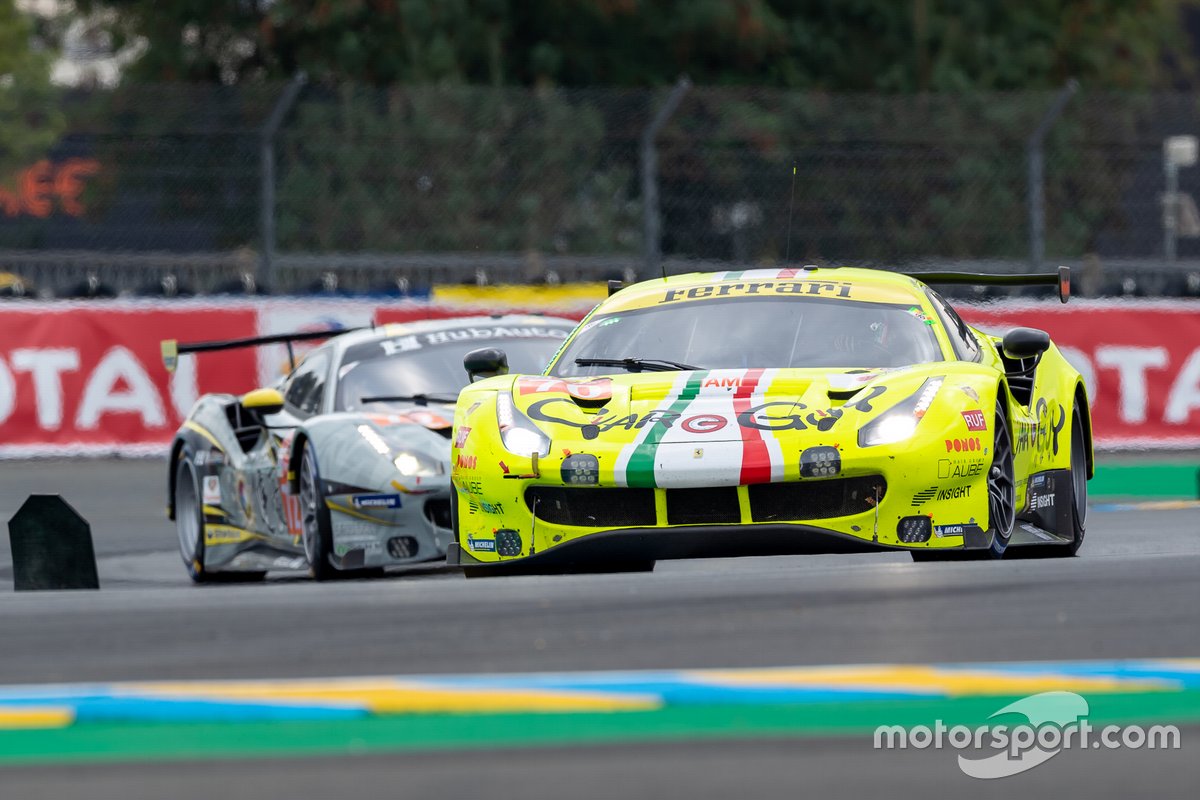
x: 854, y: 283
x: 393, y: 329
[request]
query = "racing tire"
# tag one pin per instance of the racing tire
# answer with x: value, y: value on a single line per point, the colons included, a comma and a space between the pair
x: 1002, y: 490
x: 317, y: 527
x: 1078, y: 490
x: 189, y: 527
x: 1002, y: 502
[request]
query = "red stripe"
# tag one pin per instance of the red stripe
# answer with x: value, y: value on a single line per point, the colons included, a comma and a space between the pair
x: 790, y: 272
x: 756, y: 459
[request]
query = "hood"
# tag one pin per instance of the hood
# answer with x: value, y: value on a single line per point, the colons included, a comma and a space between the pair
x: 716, y: 427
x: 713, y: 405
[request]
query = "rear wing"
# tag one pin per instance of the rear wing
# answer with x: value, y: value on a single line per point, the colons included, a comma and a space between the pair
x: 1061, y: 279
x: 172, y: 349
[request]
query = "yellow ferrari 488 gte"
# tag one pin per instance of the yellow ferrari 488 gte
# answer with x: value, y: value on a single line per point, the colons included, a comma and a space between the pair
x: 772, y: 412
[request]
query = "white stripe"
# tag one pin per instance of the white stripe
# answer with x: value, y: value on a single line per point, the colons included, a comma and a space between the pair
x: 621, y: 468
x: 719, y: 463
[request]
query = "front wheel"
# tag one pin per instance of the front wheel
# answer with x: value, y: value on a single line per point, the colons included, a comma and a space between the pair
x: 1002, y: 489
x: 317, y: 528
x: 1002, y: 502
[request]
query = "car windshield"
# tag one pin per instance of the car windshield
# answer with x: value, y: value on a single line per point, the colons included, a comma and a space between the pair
x: 431, y: 370
x: 759, y: 332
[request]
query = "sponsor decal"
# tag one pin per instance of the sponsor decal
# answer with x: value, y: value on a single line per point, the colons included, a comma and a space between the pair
x: 428, y: 419
x: 1041, y: 434
x: 806, y: 287
x: 975, y: 420
x: 919, y: 314
x: 924, y: 496
x: 590, y: 389
x: 954, y: 493
x: 376, y: 501
x: 949, y: 530
x: 402, y: 344
x: 465, y: 462
x: 460, y: 436
x: 212, y: 490
x: 1039, y: 501
x: 483, y: 545
x: 761, y: 417
x: 969, y: 444
x: 470, y: 486
x: 703, y: 423
x: 722, y: 383
x: 957, y: 468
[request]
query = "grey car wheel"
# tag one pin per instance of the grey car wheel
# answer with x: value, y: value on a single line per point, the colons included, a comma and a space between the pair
x: 317, y: 528
x: 189, y: 527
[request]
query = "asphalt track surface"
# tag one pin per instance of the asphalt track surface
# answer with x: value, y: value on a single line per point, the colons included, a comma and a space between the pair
x: 1134, y: 592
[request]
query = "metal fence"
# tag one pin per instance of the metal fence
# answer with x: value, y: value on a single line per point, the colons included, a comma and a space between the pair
x: 162, y: 189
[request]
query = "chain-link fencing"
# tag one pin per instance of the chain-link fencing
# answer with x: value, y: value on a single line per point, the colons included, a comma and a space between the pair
x: 166, y: 189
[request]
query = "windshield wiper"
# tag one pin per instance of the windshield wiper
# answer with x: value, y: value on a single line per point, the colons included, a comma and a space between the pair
x: 636, y: 364
x: 416, y: 399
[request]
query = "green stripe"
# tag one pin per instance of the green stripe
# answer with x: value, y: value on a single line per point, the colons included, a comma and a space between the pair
x: 146, y: 742
x: 1159, y: 480
x: 640, y: 469
x: 733, y: 276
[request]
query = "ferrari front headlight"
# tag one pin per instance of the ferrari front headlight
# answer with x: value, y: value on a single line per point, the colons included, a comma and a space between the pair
x: 900, y: 421
x: 518, y: 434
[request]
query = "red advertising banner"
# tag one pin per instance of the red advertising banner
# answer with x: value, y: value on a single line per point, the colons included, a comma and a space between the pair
x: 78, y: 378
x: 1139, y: 359
x: 86, y: 378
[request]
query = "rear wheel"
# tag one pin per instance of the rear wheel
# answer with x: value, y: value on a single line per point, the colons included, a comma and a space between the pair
x: 189, y: 527
x: 189, y: 520
x: 317, y: 528
x: 1078, y: 488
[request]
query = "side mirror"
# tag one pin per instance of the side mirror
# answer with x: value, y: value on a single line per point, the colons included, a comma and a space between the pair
x: 1022, y: 343
x: 262, y: 402
x: 486, y: 362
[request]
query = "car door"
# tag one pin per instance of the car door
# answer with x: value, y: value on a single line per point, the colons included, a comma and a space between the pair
x: 304, y: 393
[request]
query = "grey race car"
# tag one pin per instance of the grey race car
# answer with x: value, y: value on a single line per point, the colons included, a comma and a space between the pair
x: 343, y: 466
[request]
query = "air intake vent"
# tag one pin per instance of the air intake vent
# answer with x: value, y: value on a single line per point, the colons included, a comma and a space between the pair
x: 807, y: 500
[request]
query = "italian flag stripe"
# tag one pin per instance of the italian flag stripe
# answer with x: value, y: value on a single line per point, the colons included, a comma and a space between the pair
x: 640, y: 469
x: 756, y: 459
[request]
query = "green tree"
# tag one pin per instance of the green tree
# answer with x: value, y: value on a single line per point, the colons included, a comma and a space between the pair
x: 30, y: 121
x: 831, y: 45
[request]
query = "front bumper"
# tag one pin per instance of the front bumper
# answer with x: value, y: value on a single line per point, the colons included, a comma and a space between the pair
x: 416, y: 530
x: 631, y: 545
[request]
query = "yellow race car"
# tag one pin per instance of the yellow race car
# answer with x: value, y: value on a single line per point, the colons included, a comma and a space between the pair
x: 772, y: 411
